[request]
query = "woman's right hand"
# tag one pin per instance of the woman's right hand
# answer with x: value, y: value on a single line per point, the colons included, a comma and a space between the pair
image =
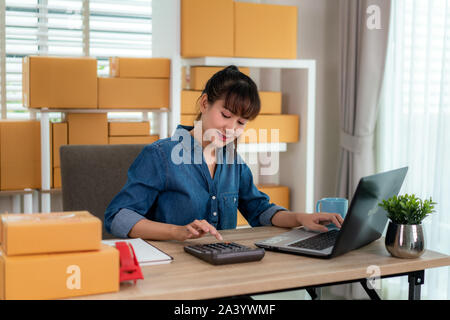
x: 196, y: 229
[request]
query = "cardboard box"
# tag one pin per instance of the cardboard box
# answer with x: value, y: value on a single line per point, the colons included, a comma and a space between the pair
x: 199, y: 76
x: 59, y: 275
x: 270, y: 102
x: 120, y: 93
x: 272, y: 129
x: 278, y: 194
x: 128, y: 128
x: 207, y: 28
x: 23, y: 234
x: 265, y: 31
x: 20, y: 154
x: 187, y: 119
x: 59, y: 138
x: 133, y: 139
x: 189, y: 101
x: 57, y: 178
x: 139, y: 67
x: 87, y: 128
x: 58, y: 83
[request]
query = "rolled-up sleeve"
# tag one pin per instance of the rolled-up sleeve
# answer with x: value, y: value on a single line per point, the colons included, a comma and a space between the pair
x: 146, y: 179
x: 255, y: 205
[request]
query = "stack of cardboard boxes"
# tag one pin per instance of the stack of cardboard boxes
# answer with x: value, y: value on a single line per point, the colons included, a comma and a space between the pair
x: 72, y: 83
x: 247, y: 30
x: 55, y: 255
x: 239, y: 30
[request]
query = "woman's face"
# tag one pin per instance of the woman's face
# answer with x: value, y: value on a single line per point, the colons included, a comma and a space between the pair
x: 219, y: 125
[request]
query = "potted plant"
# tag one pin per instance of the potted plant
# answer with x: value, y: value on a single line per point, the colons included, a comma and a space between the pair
x: 404, y: 236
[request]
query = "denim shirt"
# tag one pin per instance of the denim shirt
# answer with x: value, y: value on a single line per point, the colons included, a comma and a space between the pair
x: 170, y: 182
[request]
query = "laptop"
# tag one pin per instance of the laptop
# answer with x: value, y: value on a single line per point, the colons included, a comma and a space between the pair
x: 364, y: 222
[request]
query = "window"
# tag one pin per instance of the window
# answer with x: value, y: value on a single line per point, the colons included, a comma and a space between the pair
x: 96, y: 28
x: 414, y: 120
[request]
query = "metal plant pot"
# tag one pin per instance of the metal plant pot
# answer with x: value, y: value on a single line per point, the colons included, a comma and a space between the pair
x: 404, y: 240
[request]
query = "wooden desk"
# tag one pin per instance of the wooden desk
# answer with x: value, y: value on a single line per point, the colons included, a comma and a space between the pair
x: 188, y: 277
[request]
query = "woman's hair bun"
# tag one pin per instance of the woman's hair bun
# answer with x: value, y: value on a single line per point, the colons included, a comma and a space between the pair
x: 231, y: 68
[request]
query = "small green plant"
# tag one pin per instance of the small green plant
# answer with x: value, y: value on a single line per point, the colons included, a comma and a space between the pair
x: 407, y: 209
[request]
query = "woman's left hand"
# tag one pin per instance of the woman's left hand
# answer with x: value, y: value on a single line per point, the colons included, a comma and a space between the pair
x: 317, y: 221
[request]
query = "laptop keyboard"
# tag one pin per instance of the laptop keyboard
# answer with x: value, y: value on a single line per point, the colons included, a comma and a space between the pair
x: 319, y: 242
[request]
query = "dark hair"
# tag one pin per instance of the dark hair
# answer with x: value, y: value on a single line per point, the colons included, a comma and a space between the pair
x: 237, y: 89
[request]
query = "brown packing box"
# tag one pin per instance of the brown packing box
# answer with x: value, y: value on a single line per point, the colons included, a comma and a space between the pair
x: 23, y: 234
x: 278, y: 194
x: 20, y: 154
x: 286, y: 124
x: 189, y: 99
x: 57, y: 178
x: 59, y: 136
x: 87, y: 128
x: 270, y: 102
x: 200, y: 75
x: 121, y: 93
x: 207, y: 28
x: 139, y: 67
x: 128, y: 128
x: 59, y: 275
x: 58, y: 83
x: 187, y: 119
x: 265, y: 31
x: 133, y: 139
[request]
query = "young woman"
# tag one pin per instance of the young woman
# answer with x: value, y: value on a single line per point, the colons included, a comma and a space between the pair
x: 192, y: 184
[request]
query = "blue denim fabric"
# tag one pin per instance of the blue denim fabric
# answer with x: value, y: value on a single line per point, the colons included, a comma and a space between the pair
x: 170, y: 182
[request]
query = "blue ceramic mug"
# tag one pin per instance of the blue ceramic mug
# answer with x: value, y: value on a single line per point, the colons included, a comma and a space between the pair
x: 332, y: 205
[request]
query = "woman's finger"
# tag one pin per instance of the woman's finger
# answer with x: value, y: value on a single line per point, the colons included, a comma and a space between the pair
x: 192, y: 230
x: 212, y: 230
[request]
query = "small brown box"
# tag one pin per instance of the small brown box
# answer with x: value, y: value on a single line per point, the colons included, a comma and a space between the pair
x: 87, y: 128
x: 274, y: 129
x: 56, y: 177
x: 189, y: 101
x: 59, y: 83
x: 207, y: 28
x: 139, y: 67
x: 270, y: 102
x: 20, y: 154
x: 121, y: 93
x: 265, y: 31
x: 128, y: 128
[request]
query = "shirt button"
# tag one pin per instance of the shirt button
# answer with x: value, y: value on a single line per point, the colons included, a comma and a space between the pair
x: 214, y: 213
x: 214, y: 197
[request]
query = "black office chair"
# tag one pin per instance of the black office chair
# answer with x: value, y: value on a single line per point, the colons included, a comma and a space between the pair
x: 91, y: 175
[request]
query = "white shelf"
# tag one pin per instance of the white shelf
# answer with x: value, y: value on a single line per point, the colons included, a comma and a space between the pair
x: 262, y: 147
x: 249, y: 62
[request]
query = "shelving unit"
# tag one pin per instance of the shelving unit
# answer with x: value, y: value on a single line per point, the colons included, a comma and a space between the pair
x: 46, y: 191
x: 17, y: 195
x: 296, y: 159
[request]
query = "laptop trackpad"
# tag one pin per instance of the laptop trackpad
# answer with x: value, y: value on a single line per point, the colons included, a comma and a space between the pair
x: 288, y: 237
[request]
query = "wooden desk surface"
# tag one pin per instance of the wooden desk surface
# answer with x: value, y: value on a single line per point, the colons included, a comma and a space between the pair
x: 188, y: 277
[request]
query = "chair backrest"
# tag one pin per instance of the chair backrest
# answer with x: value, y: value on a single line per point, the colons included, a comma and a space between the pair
x: 91, y: 175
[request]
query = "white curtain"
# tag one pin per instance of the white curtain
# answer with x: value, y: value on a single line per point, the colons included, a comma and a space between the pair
x: 414, y: 124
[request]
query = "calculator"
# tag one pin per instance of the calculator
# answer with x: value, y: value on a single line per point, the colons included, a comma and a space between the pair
x: 225, y: 252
